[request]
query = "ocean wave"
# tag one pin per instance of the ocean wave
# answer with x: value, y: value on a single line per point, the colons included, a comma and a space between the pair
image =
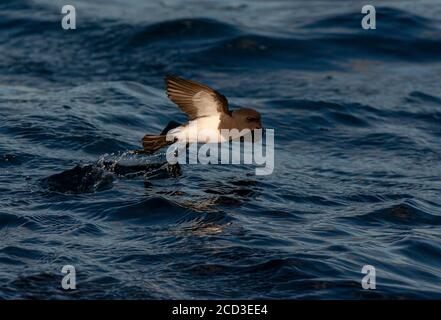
x: 403, y: 214
x: 357, y: 156
x: 208, y: 44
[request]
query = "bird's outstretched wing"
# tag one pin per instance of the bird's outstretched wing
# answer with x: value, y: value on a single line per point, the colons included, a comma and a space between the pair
x: 195, y: 99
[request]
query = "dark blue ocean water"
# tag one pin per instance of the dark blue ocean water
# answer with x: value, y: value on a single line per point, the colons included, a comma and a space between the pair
x: 356, y: 115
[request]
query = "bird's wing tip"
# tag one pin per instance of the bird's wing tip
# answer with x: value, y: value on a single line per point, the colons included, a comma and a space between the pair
x: 170, y: 77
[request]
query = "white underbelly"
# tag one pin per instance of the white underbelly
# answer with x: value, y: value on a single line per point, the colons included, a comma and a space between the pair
x: 203, y: 129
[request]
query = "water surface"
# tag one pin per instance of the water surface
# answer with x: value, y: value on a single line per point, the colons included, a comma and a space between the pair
x: 356, y: 115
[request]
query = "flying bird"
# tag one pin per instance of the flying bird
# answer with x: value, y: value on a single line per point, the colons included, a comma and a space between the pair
x: 207, y: 112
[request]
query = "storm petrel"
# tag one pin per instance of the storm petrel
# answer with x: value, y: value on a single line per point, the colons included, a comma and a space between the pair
x: 207, y: 111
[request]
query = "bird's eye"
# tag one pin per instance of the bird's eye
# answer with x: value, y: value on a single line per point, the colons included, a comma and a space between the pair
x: 250, y: 119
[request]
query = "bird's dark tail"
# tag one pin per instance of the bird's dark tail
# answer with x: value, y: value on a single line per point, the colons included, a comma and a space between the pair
x: 152, y: 143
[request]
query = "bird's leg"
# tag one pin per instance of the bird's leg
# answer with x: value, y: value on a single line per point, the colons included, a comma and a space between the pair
x: 139, y: 152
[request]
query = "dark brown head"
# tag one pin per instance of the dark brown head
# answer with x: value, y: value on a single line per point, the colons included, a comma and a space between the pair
x: 246, y: 118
